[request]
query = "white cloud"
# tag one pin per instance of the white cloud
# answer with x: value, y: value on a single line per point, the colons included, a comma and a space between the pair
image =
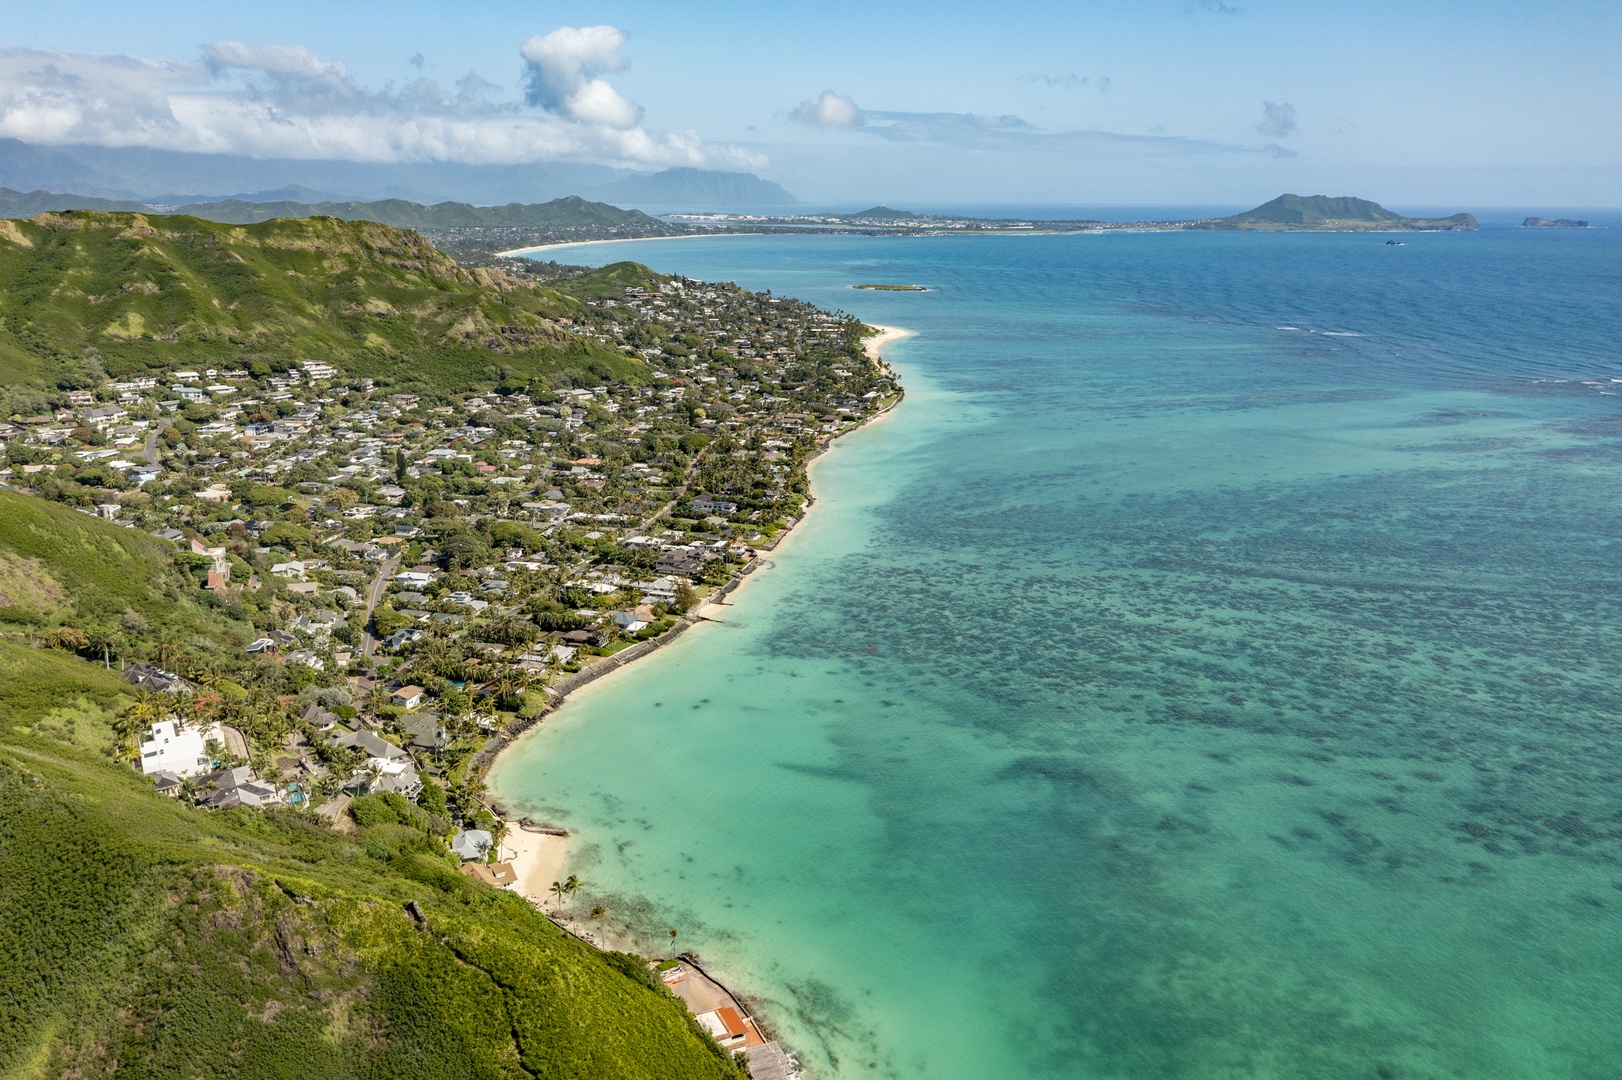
x: 828, y: 110
x: 291, y: 60
x: 565, y: 75
x: 286, y: 101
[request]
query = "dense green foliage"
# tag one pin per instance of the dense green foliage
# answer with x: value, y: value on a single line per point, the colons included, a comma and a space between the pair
x: 86, y: 292
x: 59, y: 565
x: 142, y: 936
x: 1330, y: 213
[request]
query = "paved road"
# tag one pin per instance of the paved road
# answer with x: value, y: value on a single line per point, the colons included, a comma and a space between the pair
x: 151, y: 452
x: 368, y: 643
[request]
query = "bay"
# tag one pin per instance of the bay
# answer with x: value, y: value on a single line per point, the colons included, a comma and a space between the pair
x: 1209, y: 670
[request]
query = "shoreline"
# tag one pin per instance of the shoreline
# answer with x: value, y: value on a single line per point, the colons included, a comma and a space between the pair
x: 539, y: 859
x: 560, y: 691
x: 518, y: 253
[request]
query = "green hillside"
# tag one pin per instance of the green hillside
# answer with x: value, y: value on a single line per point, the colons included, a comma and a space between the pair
x: 130, y: 293
x: 1331, y: 214
x: 569, y: 211
x: 142, y: 937
x: 59, y: 565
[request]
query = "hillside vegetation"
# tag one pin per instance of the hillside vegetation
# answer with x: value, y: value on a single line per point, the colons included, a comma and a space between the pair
x: 142, y: 937
x: 1324, y: 213
x: 90, y: 292
x: 569, y: 211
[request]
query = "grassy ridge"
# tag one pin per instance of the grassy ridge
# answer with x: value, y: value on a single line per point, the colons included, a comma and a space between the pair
x: 402, y: 214
x: 141, y: 936
x: 86, y: 292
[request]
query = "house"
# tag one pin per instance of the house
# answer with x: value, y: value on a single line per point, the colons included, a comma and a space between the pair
x: 629, y: 621
x: 725, y: 1026
x: 308, y: 657
x: 659, y: 590
x: 293, y: 569
x: 384, y: 775
x: 423, y: 731
x: 414, y: 577
x: 374, y: 746
x: 261, y: 646
x: 236, y: 787
x: 181, y: 751
x: 407, y: 697
x: 155, y: 679
x: 472, y: 844
x: 104, y: 415
x: 502, y: 875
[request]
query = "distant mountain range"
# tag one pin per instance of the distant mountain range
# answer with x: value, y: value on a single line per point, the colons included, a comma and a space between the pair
x: 171, y: 178
x: 568, y: 212
x: 1323, y: 213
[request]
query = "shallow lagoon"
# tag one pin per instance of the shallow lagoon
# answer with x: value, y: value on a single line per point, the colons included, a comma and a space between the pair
x: 1158, y: 692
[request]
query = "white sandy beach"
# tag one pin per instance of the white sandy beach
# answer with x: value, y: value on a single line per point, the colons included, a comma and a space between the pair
x: 538, y: 860
x: 518, y: 252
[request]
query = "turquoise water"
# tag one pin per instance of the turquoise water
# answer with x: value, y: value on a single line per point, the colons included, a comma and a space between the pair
x: 1159, y: 692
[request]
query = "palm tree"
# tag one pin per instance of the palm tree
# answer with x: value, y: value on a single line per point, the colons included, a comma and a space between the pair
x: 558, y: 890
x: 598, y: 912
x: 571, y: 886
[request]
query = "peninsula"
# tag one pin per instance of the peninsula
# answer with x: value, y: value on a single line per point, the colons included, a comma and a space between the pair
x: 301, y: 516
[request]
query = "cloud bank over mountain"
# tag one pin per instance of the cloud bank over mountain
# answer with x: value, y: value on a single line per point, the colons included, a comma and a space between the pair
x: 287, y: 101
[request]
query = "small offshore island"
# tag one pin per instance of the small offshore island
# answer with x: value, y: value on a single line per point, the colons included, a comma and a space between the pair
x: 300, y: 522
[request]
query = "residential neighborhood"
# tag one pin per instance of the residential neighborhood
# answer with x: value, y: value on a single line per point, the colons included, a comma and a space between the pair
x: 415, y: 573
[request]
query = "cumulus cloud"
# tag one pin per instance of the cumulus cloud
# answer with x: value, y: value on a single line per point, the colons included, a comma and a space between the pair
x: 828, y: 110
x: 286, y: 101
x: 1278, y: 121
x: 565, y: 70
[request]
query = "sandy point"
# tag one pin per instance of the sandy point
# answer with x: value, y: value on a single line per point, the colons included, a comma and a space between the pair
x: 887, y: 335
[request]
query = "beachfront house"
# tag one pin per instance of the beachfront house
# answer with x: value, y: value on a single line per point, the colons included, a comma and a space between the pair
x: 502, y: 875
x: 472, y: 845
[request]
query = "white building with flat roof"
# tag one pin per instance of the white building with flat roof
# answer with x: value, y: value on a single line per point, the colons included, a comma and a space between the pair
x: 179, y: 750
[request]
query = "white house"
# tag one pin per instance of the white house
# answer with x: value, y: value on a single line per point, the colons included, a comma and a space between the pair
x: 178, y: 750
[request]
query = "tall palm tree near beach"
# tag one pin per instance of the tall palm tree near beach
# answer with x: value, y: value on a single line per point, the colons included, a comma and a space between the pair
x: 571, y: 886
x: 558, y: 890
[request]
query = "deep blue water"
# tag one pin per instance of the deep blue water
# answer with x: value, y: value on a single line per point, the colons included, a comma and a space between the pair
x: 1210, y: 670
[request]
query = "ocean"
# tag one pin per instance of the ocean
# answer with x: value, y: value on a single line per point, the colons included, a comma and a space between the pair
x: 1209, y: 670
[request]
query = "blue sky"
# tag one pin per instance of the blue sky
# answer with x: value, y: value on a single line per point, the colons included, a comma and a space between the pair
x: 1186, y: 101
